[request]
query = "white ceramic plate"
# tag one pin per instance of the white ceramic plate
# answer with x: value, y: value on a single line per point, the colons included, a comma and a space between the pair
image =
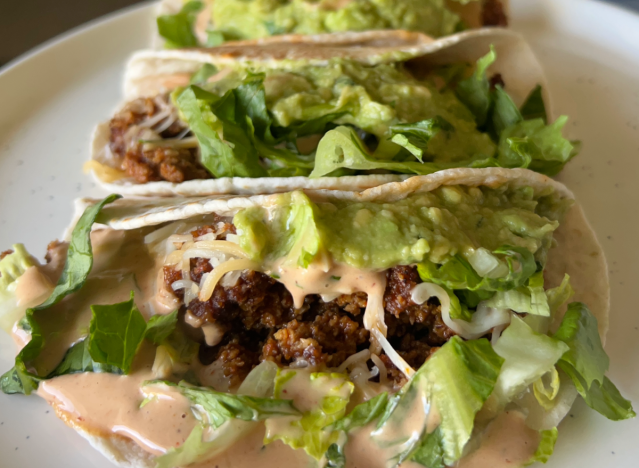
x: 50, y: 100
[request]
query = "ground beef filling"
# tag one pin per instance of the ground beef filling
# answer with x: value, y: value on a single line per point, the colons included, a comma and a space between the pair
x: 170, y: 164
x: 261, y: 323
x: 493, y: 13
x: 5, y: 253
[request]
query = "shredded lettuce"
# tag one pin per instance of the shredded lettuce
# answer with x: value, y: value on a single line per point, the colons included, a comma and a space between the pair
x: 12, y: 267
x: 586, y: 362
x: 216, y: 408
x: 524, y: 139
x: 527, y: 357
x: 330, y: 391
x: 76, y: 270
x: 224, y: 418
x: 415, y: 136
x: 546, y: 446
x: 362, y: 414
x: 458, y: 274
x: 560, y: 295
x: 529, y: 299
x: 537, y: 146
x: 456, y: 381
x: 177, y: 29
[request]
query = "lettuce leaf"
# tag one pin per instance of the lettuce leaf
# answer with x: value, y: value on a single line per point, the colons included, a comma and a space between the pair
x: 415, y: 136
x: 529, y: 299
x: 559, y: 295
x: 546, y: 446
x: 362, y: 414
x: 504, y: 112
x: 237, y: 159
x: 78, y: 359
x: 203, y: 74
x: 205, y: 441
x: 458, y: 274
x: 342, y: 148
x: 216, y: 408
x: 534, y: 106
x: 537, y: 146
x: 74, y: 274
x: 177, y: 29
x: 115, y: 334
x: 308, y: 431
x: 527, y: 357
x: 586, y: 362
x: 430, y: 452
x: 160, y: 327
x: 12, y: 267
x: 235, y: 130
x: 474, y: 92
x: 456, y: 381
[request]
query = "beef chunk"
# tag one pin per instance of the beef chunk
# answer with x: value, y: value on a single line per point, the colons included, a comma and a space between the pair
x: 493, y: 13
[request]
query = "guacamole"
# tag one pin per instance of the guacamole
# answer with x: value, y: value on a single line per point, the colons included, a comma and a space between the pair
x: 372, y: 99
x: 347, y: 118
x: 433, y: 226
x: 252, y: 19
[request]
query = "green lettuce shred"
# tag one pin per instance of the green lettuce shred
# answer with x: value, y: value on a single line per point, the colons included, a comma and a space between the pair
x: 74, y: 274
x: 309, y: 431
x: 178, y: 29
x: 586, y: 362
x: 456, y: 381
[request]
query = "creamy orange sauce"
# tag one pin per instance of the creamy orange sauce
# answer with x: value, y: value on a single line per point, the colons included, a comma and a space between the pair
x: 109, y: 403
x: 331, y: 281
x: 250, y: 452
x: 507, y: 442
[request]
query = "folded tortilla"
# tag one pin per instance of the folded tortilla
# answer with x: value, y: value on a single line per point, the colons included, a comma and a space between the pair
x: 229, y: 20
x: 325, y: 285
x: 151, y: 75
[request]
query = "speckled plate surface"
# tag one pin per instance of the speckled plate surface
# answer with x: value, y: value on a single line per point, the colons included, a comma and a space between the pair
x: 50, y: 100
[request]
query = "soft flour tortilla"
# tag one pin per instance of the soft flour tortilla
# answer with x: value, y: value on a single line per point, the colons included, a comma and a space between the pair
x: 578, y: 253
x: 152, y: 72
x: 470, y: 13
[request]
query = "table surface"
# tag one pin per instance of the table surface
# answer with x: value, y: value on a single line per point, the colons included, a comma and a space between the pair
x: 24, y: 25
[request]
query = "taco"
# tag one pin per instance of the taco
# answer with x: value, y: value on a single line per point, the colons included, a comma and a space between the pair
x: 187, y: 24
x: 421, y: 323
x: 335, y: 115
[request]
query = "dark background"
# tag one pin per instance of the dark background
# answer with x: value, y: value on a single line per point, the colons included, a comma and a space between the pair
x: 26, y: 23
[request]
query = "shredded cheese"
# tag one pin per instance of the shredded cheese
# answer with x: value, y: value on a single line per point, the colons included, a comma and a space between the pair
x: 396, y: 359
x: 216, y: 275
x: 221, y: 246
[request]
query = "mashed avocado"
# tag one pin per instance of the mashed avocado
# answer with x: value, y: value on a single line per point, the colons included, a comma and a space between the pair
x: 430, y: 226
x: 372, y: 99
x: 250, y: 19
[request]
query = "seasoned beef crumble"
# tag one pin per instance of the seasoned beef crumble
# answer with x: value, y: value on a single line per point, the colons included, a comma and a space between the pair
x: 260, y: 321
x: 171, y: 164
x: 493, y: 13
